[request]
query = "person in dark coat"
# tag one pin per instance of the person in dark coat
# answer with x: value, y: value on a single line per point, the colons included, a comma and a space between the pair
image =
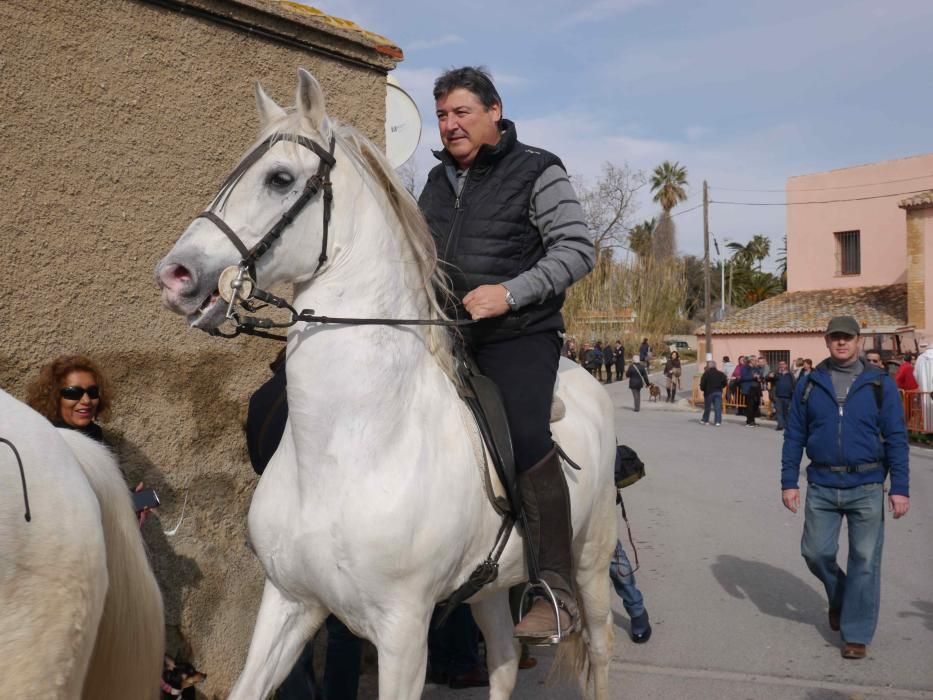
x: 712, y: 384
x: 750, y: 386
x: 609, y: 358
x: 620, y: 360
x: 637, y: 380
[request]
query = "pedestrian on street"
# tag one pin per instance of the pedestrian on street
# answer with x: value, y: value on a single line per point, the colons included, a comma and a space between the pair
x: 510, y: 234
x: 623, y: 580
x: 598, y: 360
x: 672, y: 371
x: 848, y: 416
x: 637, y: 379
x: 609, y: 359
x: 750, y: 386
x: 781, y: 385
x: 712, y: 384
x: 644, y: 350
x: 620, y: 360
x: 904, y: 378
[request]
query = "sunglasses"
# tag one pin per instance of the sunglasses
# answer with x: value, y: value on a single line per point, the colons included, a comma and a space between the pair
x: 74, y: 393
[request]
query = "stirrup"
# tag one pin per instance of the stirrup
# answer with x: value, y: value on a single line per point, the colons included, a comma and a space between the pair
x: 555, y: 604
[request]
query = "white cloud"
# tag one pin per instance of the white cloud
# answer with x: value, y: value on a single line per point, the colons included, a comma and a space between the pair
x: 423, y: 44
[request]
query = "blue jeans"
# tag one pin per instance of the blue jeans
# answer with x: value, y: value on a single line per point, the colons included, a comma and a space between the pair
x: 713, y: 401
x: 856, y: 591
x: 781, y: 410
x: 623, y: 580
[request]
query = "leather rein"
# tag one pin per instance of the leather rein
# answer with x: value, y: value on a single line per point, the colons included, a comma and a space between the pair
x: 237, y: 284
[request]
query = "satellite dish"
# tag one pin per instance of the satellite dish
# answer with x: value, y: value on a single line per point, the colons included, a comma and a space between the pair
x: 403, y: 124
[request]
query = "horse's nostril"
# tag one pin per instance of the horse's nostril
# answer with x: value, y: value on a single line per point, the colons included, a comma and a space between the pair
x: 174, y: 276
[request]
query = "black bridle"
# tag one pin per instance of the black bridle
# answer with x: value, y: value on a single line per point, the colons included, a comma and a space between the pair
x: 318, y: 182
x: 243, y: 285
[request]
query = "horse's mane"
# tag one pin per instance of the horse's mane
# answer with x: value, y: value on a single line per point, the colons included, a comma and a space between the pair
x: 432, y: 279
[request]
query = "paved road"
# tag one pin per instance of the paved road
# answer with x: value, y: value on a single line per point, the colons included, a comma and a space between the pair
x: 736, y: 614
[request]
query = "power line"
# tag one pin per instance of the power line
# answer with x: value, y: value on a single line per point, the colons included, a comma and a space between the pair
x: 824, y: 201
x: 685, y: 211
x: 821, y: 189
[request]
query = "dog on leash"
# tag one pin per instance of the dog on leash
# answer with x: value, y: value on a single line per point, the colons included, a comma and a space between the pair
x: 654, y: 392
x: 179, y: 679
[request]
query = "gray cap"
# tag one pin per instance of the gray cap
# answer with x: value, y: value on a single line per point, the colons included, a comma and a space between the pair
x: 843, y: 324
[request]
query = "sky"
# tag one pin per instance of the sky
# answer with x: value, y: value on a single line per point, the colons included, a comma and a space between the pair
x: 743, y: 93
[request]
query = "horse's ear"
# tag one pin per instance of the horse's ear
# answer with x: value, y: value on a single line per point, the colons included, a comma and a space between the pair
x: 310, y: 99
x: 269, y: 111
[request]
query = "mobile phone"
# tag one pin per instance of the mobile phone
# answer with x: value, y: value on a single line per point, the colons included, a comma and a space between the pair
x: 145, y: 499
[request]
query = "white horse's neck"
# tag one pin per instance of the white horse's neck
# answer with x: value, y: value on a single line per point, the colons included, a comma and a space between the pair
x: 358, y: 384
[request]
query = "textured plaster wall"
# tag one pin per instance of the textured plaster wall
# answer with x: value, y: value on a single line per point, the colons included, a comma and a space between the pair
x: 798, y: 344
x: 117, y: 122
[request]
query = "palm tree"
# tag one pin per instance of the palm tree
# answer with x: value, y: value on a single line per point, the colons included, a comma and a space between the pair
x: 741, y: 255
x: 759, y: 248
x: 668, y: 182
x: 781, y: 261
x: 639, y: 238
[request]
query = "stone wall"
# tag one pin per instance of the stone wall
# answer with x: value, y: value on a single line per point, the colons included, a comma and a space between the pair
x: 118, y: 120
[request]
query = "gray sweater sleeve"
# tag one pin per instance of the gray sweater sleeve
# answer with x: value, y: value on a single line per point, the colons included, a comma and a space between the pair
x: 569, y: 254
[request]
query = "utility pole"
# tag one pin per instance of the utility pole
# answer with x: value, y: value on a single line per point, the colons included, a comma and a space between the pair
x: 722, y: 280
x: 709, y: 335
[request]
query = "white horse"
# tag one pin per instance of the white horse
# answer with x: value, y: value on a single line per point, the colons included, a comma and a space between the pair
x: 80, y: 610
x: 374, y: 505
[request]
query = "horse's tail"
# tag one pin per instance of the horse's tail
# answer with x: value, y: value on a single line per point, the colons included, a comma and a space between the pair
x: 128, y: 654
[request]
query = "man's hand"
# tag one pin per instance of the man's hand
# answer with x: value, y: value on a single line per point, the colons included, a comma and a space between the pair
x: 899, y: 505
x: 486, y: 301
x: 791, y: 498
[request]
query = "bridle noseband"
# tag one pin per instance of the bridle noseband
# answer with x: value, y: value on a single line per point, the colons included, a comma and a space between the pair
x: 239, y: 282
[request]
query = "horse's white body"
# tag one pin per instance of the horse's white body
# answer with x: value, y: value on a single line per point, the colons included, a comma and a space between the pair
x: 80, y: 611
x: 374, y: 506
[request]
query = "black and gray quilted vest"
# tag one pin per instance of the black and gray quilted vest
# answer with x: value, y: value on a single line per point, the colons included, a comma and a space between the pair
x: 485, y: 236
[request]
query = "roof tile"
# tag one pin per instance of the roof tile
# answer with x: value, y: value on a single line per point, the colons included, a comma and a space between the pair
x: 875, y: 308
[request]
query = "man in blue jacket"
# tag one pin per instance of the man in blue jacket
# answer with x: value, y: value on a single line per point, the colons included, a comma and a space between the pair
x: 848, y: 416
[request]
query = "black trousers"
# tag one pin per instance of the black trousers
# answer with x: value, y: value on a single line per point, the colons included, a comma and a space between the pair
x: 525, y: 370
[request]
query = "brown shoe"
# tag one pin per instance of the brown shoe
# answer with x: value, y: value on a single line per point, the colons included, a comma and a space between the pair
x: 539, y: 625
x: 834, y: 619
x: 852, y: 650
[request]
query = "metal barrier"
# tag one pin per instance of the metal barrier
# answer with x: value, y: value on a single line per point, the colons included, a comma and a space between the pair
x: 732, y: 398
x: 914, y: 404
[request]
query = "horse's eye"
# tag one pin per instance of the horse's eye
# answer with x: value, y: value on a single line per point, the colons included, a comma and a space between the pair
x: 280, y: 179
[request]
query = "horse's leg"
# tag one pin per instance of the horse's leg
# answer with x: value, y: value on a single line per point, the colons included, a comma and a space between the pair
x: 594, y: 594
x: 403, y: 654
x: 494, y: 618
x: 282, y: 628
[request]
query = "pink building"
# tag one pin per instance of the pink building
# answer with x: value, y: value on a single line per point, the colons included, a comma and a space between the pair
x: 859, y: 243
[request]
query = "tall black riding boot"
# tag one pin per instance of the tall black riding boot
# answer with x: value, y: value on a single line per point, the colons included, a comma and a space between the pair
x: 549, y: 534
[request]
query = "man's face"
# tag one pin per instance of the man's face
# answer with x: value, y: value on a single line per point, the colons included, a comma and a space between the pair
x: 761, y: 362
x: 465, y: 124
x: 843, y: 348
x: 874, y: 358
x: 782, y: 366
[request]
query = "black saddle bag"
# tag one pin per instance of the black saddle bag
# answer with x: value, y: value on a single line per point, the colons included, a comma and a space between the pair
x: 629, y: 468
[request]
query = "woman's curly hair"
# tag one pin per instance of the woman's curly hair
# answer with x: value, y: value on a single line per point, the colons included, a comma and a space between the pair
x: 43, y: 392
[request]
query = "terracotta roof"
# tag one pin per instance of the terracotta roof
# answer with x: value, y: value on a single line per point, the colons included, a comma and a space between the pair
x: 875, y: 308
x: 918, y: 201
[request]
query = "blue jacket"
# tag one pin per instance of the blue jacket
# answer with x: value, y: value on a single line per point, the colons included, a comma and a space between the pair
x: 856, y: 433
x: 747, y: 378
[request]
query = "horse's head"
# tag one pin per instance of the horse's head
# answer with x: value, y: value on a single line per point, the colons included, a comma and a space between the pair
x: 284, y: 177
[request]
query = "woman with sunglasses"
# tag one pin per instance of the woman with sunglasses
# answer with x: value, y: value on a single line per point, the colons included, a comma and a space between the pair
x: 72, y: 393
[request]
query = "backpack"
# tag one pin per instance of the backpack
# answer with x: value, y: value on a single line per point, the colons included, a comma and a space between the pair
x: 629, y: 468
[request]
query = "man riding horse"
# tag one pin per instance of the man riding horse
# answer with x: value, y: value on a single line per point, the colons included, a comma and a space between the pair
x: 510, y: 233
